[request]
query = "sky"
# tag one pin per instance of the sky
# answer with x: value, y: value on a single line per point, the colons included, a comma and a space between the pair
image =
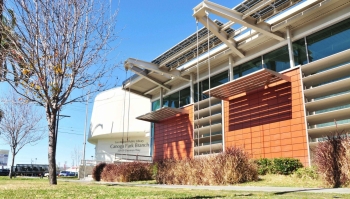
x: 146, y: 30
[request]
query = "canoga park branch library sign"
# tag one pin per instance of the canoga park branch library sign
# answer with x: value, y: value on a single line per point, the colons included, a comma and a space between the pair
x: 272, y: 84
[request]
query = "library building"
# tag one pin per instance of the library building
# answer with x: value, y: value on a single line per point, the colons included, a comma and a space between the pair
x: 269, y: 76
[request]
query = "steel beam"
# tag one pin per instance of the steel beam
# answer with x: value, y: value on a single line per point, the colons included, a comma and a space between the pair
x: 222, y: 35
x: 143, y: 73
x: 232, y: 15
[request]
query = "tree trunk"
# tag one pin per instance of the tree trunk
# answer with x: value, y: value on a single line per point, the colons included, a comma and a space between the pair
x: 52, y: 148
x: 12, y: 164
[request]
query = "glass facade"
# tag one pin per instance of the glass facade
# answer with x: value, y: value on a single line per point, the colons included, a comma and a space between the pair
x: 156, y: 105
x: 329, y: 41
x: 326, y: 42
x: 277, y: 60
x: 215, y: 80
x: 299, y: 51
x: 178, y: 99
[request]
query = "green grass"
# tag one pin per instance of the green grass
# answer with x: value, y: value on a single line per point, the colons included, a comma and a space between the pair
x: 285, y: 181
x: 40, y: 188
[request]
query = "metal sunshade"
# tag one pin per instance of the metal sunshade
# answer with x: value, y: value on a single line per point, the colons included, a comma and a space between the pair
x: 162, y: 114
x: 247, y: 83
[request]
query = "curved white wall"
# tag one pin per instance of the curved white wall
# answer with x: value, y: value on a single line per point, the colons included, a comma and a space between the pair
x: 106, y: 126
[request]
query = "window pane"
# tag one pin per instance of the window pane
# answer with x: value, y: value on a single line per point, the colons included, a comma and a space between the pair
x: 299, y: 52
x: 329, y: 41
x: 219, y: 79
x: 236, y: 72
x: 166, y: 101
x: 277, y: 60
x: 172, y: 100
x: 155, y: 105
x: 251, y: 66
x: 185, y: 96
x: 195, y: 88
x: 204, y: 87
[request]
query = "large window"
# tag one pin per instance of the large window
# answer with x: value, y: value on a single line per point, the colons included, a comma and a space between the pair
x: 324, y: 43
x: 277, y: 60
x: 329, y: 41
x: 178, y: 99
x: 215, y: 80
x: 171, y: 100
x: 156, y: 105
x: 247, y: 68
x: 299, y: 51
x: 185, y: 96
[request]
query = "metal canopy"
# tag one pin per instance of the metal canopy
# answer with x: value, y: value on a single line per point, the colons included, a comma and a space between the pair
x: 162, y: 114
x: 258, y: 79
x: 264, y: 8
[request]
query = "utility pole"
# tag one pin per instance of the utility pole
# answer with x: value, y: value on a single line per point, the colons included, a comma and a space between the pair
x: 85, y: 129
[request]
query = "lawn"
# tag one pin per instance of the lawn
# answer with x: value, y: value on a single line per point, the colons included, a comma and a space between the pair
x: 40, y: 188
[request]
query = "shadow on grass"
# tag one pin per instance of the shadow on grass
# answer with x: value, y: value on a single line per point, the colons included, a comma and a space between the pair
x: 236, y: 195
x: 294, y: 191
x: 194, y: 197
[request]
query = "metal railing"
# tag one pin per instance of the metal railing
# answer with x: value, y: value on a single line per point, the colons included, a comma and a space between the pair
x: 123, y: 157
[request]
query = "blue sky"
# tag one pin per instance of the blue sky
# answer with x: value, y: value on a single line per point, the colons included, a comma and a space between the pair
x: 146, y: 30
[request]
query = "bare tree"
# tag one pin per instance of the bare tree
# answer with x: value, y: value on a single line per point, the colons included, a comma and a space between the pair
x: 20, y: 125
x: 1, y: 115
x: 76, y: 156
x: 60, y: 47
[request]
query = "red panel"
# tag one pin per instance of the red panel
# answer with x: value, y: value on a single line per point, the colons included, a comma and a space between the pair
x: 173, y: 138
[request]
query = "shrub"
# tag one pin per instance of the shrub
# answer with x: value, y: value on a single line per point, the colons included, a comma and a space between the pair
x: 331, y: 159
x: 306, y: 173
x: 134, y: 171
x: 127, y: 172
x: 264, y: 166
x: 109, y: 173
x: 97, y: 171
x: 285, y: 166
x: 231, y: 167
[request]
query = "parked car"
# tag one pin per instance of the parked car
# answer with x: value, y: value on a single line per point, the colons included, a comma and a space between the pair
x: 4, y: 172
x: 72, y: 173
x: 46, y: 174
x: 64, y: 173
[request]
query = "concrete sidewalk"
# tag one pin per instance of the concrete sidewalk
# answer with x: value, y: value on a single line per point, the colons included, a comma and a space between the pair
x: 277, y: 190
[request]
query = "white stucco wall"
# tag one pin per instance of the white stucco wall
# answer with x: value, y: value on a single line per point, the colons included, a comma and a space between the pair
x: 106, y: 149
x: 109, y: 124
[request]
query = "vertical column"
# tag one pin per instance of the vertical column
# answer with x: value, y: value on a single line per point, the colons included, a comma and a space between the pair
x: 230, y: 67
x: 161, y: 97
x: 191, y: 89
x: 290, y: 47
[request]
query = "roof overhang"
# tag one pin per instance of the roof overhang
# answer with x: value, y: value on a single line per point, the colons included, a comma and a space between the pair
x: 162, y: 114
x: 251, y: 82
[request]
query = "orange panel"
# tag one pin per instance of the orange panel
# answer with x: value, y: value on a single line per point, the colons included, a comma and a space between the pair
x: 272, y: 119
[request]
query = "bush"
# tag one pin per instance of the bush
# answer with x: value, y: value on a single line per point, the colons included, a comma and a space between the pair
x: 231, y: 167
x: 134, y: 171
x: 306, y: 173
x: 331, y: 159
x: 109, y: 173
x: 285, y: 166
x: 97, y: 171
x: 127, y: 172
x: 264, y: 166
